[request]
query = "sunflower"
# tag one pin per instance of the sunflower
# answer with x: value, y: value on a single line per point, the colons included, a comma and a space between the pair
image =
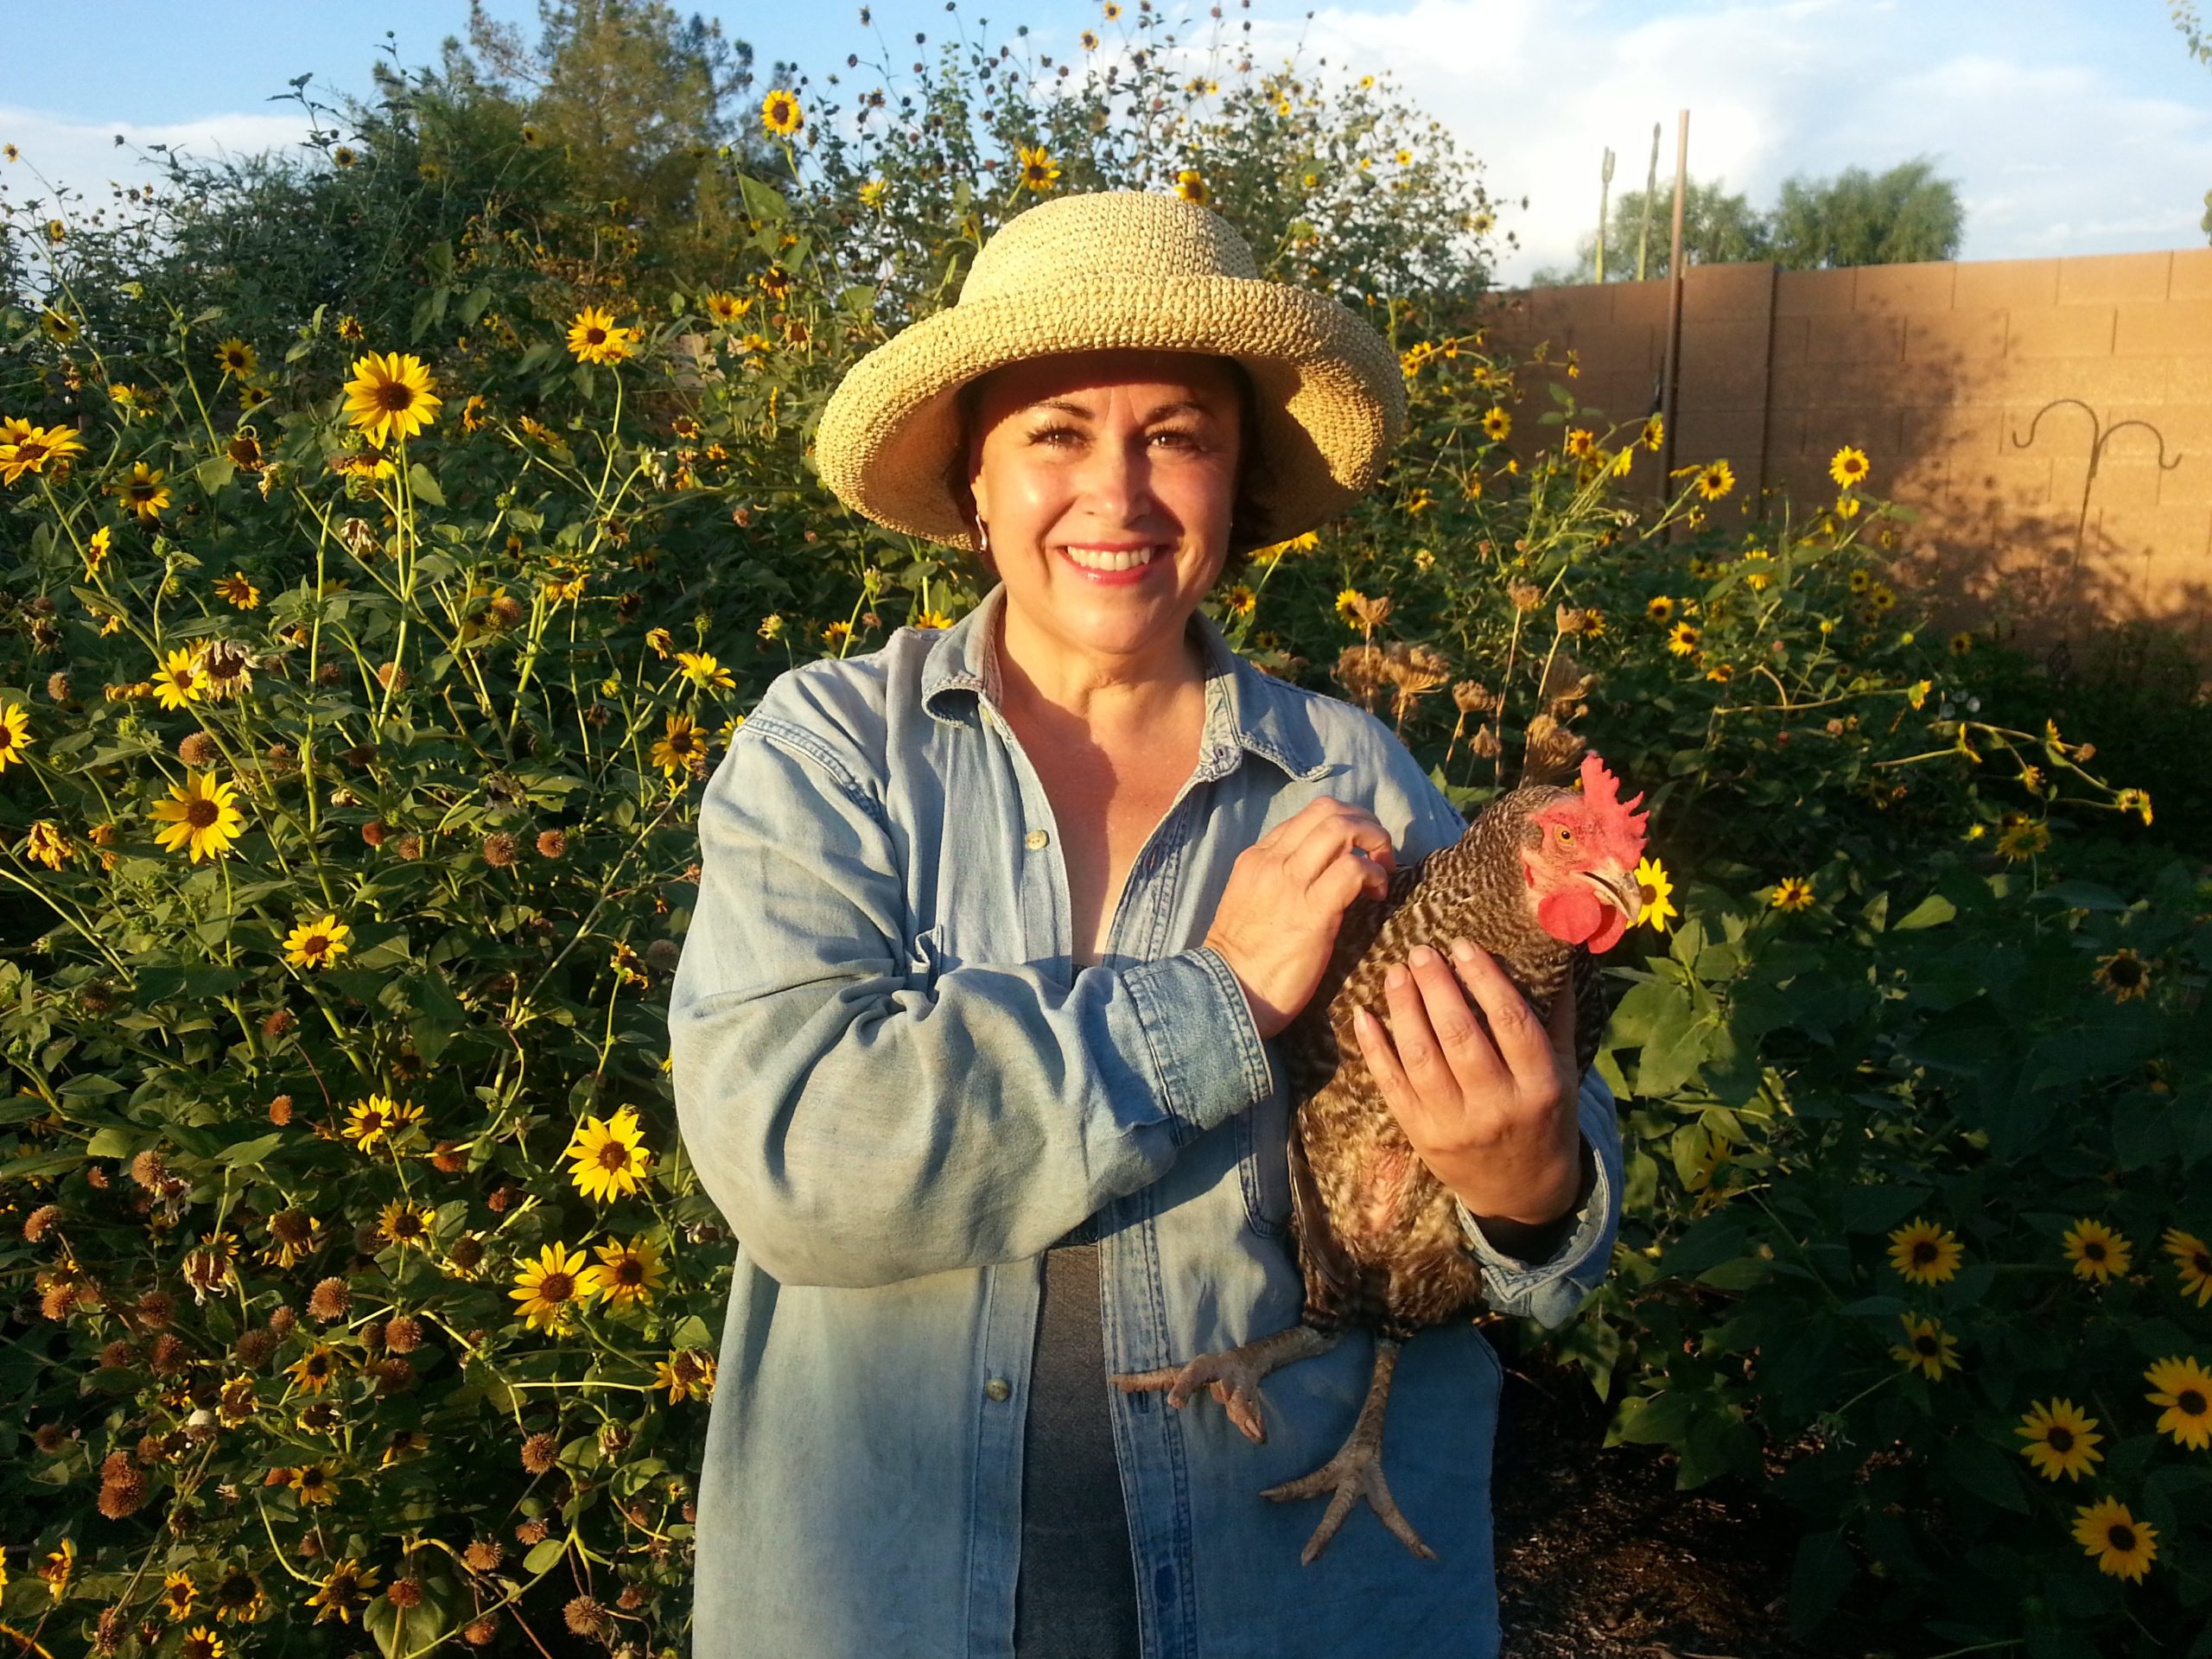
x: 593, y: 337
x: 871, y: 194
x: 15, y: 733
x: 236, y: 590
x: 181, y: 679
x: 238, y: 1595
x: 344, y: 1593
x: 724, y: 307
x: 1039, y: 171
x: 1722, y: 673
x: 2024, y: 840
x: 1926, y: 1348
x: 1660, y: 609
x: 1682, y: 638
x: 313, y: 1483
x: 1090, y: 40
x: 610, y: 1156
x: 626, y: 1273
x: 1860, y: 580
x: 46, y: 845
x: 780, y: 114
x: 98, y: 546
x: 1111, y: 9
x: 1658, y: 894
x: 143, y: 492
x: 31, y: 447
x: 177, y: 1596
x: 2184, y: 1388
x: 1847, y: 466
x: 1191, y: 185
x: 202, y: 815
x: 2123, y: 973
x: 2123, y: 1546
x: 200, y: 1643
x: 380, y: 1118
x: 237, y: 359
x: 1349, y: 600
x: 1847, y: 506
x: 1715, y: 480
x: 390, y: 396
x: 315, y: 1369
x: 1579, y: 441
x: 2192, y: 1260
x: 682, y: 747
x: 703, y: 670
x: 405, y: 1444
x: 2096, y: 1251
x: 1923, y: 1253
x: 1240, y: 601
x: 406, y: 1224
x: 1882, y: 597
x: 686, y: 1374
x: 2061, y: 1439
x: 547, y: 1288
x: 316, y: 944
x: 1497, y: 425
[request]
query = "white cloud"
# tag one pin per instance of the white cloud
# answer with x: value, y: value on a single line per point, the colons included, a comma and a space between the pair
x: 2053, y: 155
x: 83, y: 157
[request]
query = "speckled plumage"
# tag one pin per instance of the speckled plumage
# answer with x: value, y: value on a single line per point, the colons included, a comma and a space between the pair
x: 1379, y: 1241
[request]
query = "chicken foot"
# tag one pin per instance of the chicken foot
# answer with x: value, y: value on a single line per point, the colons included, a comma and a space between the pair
x: 1356, y: 1471
x: 1233, y: 1375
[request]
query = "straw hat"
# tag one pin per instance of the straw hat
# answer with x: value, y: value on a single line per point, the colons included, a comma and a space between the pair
x: 1117, y: 269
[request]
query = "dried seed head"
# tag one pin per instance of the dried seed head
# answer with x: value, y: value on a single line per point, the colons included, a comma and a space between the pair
x: 276, y: 1025
x: 147, y: 1169
x: 39, y: 1222
x: 197, y: 749
x: 122, y: 1488
x: 552, y: 843
x: 1525, y: 595
x: 483, y: 1555
x: 505, y: 612
x: 450, y: 1159
x: 404, y: 1334
x: 663, y: 955
x: 531, y: 1532
x: 467, y: 1254
x: 1485, y: 743
x: 1472, y: 697
x: 481, y: 1632
x: 110, y: 1631
x: 281, y: 1320
x: 373, y: 833
x: 169, y: 1354
x: 406, y: 1593
x: 500, y: 849
x: 156, y: 1308
x: 255, y: 1349
x: 586, y: 1617
x: 409, y: 846
x: 119, y: 1354
x: 49, y: 1437
x: 330, y: 1301
x: 392, y: 676
x: 540, y: 1452
x: 57, y: 685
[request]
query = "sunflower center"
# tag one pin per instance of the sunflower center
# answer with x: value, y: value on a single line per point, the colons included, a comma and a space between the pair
x: 2061, y: 1439
x: 2093, y: 1250
x: 1923, y: 1252
x: 2201, y: 1262
x: 394, y: 396
x: 614, y: 1156
x: 201, y: 813
x: 315, y: 945
x: 2191, y: 1401
x: 1924, y: 1345
x: 594, y: 336
x: 555, y: 1287
x: 407, y: 1225
x: 2121, y: 1536
x: 630, y: 1271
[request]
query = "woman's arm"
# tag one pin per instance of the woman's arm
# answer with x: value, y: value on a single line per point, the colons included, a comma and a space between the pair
x: 855, y: 1132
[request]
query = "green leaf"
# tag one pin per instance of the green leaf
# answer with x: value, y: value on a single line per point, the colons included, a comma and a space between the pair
x: 1987, y: 1472
x: 545, y: 1555
x: 113, y: 1142
x: 425, y: 486
x: 250, y: 1152
x: 1880, y: 1208
x: 1932, y: 912
x: 1823, y: 1571
x: 762, y: 201
x: 214, y: 472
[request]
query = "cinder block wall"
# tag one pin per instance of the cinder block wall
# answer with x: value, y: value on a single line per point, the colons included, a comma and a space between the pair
x: 1938, y: 371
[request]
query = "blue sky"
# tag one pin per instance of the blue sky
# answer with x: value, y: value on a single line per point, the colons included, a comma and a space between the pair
x: 2073, y: 126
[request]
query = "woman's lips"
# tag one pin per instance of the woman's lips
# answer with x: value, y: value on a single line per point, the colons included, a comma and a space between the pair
x: 1129, y: 578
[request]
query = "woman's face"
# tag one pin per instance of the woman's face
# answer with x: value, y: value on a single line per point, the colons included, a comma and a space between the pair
x: 1105, y: 481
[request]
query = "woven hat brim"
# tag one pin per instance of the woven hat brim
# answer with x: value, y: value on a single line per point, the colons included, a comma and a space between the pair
x: 1332, y: 399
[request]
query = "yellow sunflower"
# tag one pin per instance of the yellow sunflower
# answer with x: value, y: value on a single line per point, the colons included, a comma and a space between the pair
x: 2024, y: 840
x: 1661, y: 608
x: 2123, y: 1546
x: 1579, y: 441
x: 1925, y: 1253
x: 2184, y: 1388
x: 626, y: 1273
x: 380, y: 1118
x: 1793, y: 892
x: 610, y: 1156
x: 345, y: 1593
x: 686, y: 1374
x: 2123, y: 973
x: 780, y: 114
x: 724, y: 307
x: 1090, y: 40
x: 546, y: 1289
x: 1240, y: 601
x: 1349, y: 600
x: 682, y: 747
x: 406, y: 1224
x: 1191, y: 185
x: 15, y: 733
x: 200, y: 1643
x: 27, y: 448
x: 2061, y: 1439
x: 1860, y: 580
x: 1497, y: 425
x: 202, y: 814
x: 1926, y: 1348
x: 317, y: 944
x: 390, y: 396
x: 1715, y: 480
x: 1882, y: 597
x: 177, y: 1596
x: 314, y: 1483
x: 143, y: 492
x: 237, y: 359
x: 315, y: 1369
x: 593, y: 337
x: 1039, y: 171
x: 236, y: 590
x: 182, y: 678
x: 1658, y: 894
x: 2096, y: 1251
x: 238, y: 1595
x: 1847, y: 466
x: 1682, y: 638
x: 2193, y: 1261
x: 702, y: 669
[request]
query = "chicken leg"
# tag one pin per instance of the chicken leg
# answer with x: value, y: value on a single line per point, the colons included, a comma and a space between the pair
x: 1232, y: 1374
x: 1356, y: 1471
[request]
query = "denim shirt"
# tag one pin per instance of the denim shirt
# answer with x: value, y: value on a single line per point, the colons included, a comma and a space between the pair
x: 900, y: 1089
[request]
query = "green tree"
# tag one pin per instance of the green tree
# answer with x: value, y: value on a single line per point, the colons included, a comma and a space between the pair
x: 1858, y: 218
x: 2200, y: 47
x: 1717, y: 228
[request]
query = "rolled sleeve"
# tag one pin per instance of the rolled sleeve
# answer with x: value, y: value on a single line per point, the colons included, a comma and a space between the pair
x: 1550, y: 1291
x: 1193, y: 1012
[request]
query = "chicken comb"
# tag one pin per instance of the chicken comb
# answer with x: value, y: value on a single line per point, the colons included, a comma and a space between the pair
x: 1603, y: 790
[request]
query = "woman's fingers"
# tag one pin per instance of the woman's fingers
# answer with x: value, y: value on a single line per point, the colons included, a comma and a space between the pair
x: 1521, y: 1038
x: 1330, y: 832
x: 1468, y: 1055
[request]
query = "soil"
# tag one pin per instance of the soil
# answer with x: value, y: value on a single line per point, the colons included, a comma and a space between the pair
x: 1600, y: 1557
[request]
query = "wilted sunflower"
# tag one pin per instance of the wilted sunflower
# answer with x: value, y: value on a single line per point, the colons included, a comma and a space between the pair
x: 2024, y: 840
x: 237, y: 359
x: 2061, y: 1439
x: 1926, y: 1347
x: 546, y: 1289
x: 780, y: 114
x: 610, y: 1156
x: 686, y: 1374
x: 316, y: 944
x: 2098, y: 1253
x: 15, y: 733
x: 2124, y: 974
x: 202, y: 815
x: 626, y: 1273
x: 237, y: 1595
x: 2184, y: 1388
x: 390, y: 396
x: 1039, y: 171
x: 1658, y: 894
x: 46, y: 845
x: 1925, y: 1253
x: 593, y: 337
x: 2193, y: 1261
x: 180, y: 679
x: 2123, y: 1546
x: 682, y: 747
x: 235, y: 589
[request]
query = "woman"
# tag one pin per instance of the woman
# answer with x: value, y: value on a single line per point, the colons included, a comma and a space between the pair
x: 970, y: 1032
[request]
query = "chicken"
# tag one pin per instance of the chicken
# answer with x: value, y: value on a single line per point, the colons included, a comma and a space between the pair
x: 1544, y: 880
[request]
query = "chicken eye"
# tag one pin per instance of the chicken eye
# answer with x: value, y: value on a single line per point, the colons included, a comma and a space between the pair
x: 1565, y: 837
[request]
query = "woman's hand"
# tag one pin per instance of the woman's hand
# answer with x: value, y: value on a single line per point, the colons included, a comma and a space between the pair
x: 1286, y: 899
x: 1492, y: 1114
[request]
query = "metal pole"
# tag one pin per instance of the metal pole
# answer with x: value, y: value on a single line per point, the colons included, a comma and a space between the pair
x: 1605, y: 187
x: 1672, y: 372
x: 1650, y: 189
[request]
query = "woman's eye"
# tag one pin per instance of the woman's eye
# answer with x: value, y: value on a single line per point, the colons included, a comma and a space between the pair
x: 1177, y: 438
x: 1053, y: 434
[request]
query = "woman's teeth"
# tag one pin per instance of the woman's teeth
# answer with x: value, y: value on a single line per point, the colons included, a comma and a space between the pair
x: 1094, y: 558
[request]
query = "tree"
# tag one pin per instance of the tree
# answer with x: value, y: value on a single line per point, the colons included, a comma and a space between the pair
x: 2200, y: 47
x: 1900, y: 217
x: 1717, y: 228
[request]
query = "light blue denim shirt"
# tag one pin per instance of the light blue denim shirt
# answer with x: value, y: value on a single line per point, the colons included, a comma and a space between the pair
x: 900, y: 1090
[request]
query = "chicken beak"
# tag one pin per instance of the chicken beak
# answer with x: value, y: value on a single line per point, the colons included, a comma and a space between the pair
x: 1620, y: 889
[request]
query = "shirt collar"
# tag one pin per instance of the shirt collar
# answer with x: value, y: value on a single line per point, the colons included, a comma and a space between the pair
x: 1247, y: 710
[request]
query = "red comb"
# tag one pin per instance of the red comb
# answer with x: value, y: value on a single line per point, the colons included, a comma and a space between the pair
x: 1603, y: 790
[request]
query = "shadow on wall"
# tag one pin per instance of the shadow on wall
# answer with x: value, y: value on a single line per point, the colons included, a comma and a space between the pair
x: 1983, y: 393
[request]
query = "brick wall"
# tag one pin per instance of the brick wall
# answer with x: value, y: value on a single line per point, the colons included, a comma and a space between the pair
x: 1938, y: 371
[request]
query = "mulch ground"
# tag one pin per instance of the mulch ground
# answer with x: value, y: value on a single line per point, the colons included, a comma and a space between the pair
x: 1600, y: 1557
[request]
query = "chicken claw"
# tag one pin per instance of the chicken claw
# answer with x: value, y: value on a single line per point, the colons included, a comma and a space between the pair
x: 1357, y: 1471
x: 1232, y: 1376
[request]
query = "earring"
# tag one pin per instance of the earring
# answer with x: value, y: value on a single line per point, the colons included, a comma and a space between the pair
x: 982, y: 538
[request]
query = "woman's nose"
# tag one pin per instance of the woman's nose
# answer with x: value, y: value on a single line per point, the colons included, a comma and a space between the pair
x: 1117, y: 478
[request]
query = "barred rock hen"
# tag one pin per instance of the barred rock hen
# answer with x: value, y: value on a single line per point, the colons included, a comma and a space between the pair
x: 1544, y: 879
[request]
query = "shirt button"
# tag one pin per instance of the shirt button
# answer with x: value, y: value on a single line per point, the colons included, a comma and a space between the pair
x: 997, y: 1388
x: 1035, y: 840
